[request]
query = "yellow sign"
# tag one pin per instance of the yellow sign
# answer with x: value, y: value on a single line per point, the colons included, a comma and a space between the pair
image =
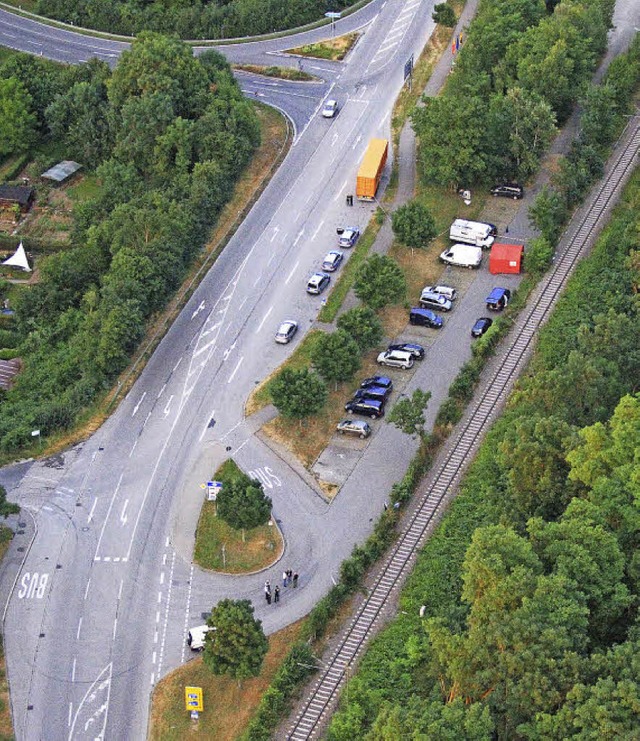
x: 193, y: 698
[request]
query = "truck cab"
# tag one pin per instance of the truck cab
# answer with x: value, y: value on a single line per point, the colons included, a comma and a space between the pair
x: 196, y: 637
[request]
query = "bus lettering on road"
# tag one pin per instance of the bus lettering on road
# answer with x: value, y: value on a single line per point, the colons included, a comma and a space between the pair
x: 33, y: 585
x: 266, y: 477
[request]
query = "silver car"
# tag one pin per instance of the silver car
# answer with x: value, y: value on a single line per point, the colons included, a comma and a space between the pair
x: 286, y: 331
x: 317, y: 283
x: 447, y: 291
x: 396, y: 359
x: 332, y: 260
x: 354, y: 427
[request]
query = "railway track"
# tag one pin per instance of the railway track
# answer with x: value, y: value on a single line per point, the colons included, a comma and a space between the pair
x: 443, y: 482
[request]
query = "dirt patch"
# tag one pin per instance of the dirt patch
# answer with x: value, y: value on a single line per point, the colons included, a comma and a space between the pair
x: 283, y: 73
x: 228, y: 706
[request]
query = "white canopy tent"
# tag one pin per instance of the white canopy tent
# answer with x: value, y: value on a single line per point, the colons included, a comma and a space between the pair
x: 19, y: 259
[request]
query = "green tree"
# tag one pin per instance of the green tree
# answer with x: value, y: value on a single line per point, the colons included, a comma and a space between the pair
x: 336, y: 356
x: 380, y: 281
x: 408, y: 413
x: 444, y: 15
x: 363, y: 324
x: 548, y: 214
x: 413, y: 225
x: 17, y: 122
x: 238, y: 645
x: 298, y: 393
x: 7, y: 508
x: 242, y: 503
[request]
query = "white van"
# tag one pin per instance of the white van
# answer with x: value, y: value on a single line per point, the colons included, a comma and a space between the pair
x: 463, y: 255
x: 472, y: 232
x: 196, y: 636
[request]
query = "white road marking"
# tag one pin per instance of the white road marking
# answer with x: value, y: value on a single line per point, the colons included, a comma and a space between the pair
x: 315, y: 234
x: 86, y: 591
x: 120, y: 590
x: 175, y: 367
x: 198, y: 310
x: 115, y: 628
x: 162, y: 577
x: 235, y: 370
x: 153, y: 657
x: 339, y: 193
x: 78, y: 631
x: 357, y: 141
x: 123, y: 514
x: 264, y: 319
x: 293, y: 270
x: 159, y: 597
x: 106, y: 519
x: 166, y: 409
x: 257, y: 280
x: 137, y: 406
x: 164, y: 386
x: 276, y: 229
x: 297, y: 239
x: 153, y: 676
x: 155, y: 637
x: 73, y: 670
x: 93, y: 507
x: 244, y: 300
x: 135, y: 443
x: 158, y: 616
x: 70, y: 713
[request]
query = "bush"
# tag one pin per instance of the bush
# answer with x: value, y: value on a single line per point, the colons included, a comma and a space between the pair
x: 538, y: 256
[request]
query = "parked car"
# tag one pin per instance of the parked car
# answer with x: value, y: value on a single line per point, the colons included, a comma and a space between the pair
x: 196, y: 637
x: 425, y: 318
x: 330, y: 109
x: 354, y: 427
x: 366, y: 407
x: 447, y: 291
x: 463, y: 255
x: 286, y: 331
x: 430, y: 300
x: 372, y: 392
x: 377, y: 381
x: 332, y: 260
x: 317, y: 283
x: 411, y: 347
x: 349, y: 236
x: 481, y: 326
x: 498, y: 299
x: 396, y: 359
x: 508, y: 190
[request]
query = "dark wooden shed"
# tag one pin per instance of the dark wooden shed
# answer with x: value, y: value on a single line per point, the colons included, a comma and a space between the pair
x: 12, y: 195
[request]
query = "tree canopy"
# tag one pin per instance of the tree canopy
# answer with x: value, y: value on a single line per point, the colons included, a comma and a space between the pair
x: 380, y: 281
x: 238, y: 645
x: 298, y: 393
x: 242, y: 502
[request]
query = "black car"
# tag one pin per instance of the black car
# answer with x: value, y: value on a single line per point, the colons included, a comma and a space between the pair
x: 416, y: 350
x: 508, y: 190
x: 383, y: 381
x: 366, y: 407
x: 372, y: 392
x: 426, y: 317
x: 481, y: 326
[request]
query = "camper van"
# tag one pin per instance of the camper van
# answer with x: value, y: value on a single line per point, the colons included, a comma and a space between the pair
x: 472, y: 232
x: 463, y: 255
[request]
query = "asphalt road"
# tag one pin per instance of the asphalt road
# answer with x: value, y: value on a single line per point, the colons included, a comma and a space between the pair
x: 106, y: 592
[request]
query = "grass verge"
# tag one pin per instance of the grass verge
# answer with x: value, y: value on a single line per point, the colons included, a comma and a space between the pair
x: 283, y: 73
x: 228, y: 706
x: 334, y: 49
x: 220, y: 547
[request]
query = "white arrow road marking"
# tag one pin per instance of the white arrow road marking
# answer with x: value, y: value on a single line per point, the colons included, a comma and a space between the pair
x: 227, y: 352
x: 198, y: 310
x: 166, y: 409
x: 297, y: 239
x: 276, y: 229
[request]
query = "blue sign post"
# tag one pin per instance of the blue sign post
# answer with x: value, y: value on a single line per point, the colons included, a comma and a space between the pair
x: 408, y: 70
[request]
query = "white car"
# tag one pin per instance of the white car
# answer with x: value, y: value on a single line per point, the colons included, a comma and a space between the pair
x: 349, y: 236
x: 463, y: 255
x: 330, y: 109
x: 196, y: 637
x: 286, y: 331
x: 317, y: 283
x: 396, y: 359
x: 332, y: 261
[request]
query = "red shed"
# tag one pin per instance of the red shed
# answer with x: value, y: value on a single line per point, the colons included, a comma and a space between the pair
x: 505, y: 258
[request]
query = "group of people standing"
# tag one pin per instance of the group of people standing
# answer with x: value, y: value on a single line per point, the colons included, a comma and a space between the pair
x: 289, y: 578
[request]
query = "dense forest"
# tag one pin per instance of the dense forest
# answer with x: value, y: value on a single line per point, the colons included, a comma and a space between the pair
x: 531, y: 584
x: 522, y: 67
x: 198, y: 19
x: 168, y: 135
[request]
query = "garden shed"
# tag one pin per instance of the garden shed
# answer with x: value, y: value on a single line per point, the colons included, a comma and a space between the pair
x: 16, y: 195
x: 62, y: 171
x: 505, y: 258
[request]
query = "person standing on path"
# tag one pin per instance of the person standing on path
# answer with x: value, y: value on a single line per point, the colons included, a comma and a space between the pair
x: 295, y: 580
x: 267, y: 596
x: 276, y: 594
x: 285, y: 577
x: 289, y: 575
x: 267, y: 587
